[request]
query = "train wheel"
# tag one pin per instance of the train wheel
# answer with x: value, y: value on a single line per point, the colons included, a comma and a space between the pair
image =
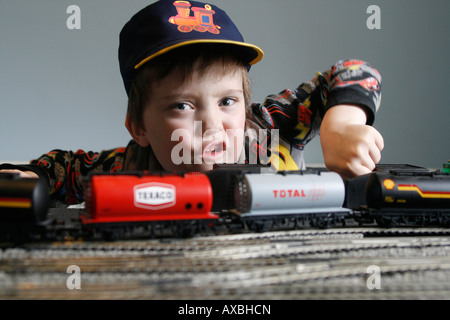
x: 320, y: 222
x: 317, y: 222
x: 446, y: 222
x: 200, y: 28
x: 111, y: 234
x: 213, y: 30
x: 185, y: 29
x: 283, y: 224
x: 259, y: 225
x: 299, y: 223
x: 185, y: 229
x: 386, y: 222
x: 323, y: 223
x: 87, y: 233
x: 382, y: 222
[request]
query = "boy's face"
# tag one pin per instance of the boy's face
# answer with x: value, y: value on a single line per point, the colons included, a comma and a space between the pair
x: 193, y: 124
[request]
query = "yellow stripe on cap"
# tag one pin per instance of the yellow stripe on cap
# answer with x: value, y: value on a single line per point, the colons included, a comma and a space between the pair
x: 260, y: 53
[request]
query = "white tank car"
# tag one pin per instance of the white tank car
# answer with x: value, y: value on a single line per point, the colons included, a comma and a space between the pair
x: 289, y: 193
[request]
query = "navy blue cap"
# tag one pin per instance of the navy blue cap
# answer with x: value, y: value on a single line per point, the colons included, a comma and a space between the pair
x: 168, y: 24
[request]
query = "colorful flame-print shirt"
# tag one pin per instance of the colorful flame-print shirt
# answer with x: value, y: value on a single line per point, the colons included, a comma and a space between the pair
x: 297, y: 114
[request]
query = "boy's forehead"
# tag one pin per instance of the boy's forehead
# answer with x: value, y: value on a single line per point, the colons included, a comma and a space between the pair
x: 215, y: 76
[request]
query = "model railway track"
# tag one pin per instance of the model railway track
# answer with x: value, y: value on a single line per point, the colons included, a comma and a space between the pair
x: 299, y: 264
x: 171, y: 245
x: 167, y: 247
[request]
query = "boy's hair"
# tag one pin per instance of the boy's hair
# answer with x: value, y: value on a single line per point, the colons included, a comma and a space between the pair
x: 183, y: 61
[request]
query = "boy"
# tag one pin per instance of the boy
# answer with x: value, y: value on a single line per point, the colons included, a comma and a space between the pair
x: 185, y: 69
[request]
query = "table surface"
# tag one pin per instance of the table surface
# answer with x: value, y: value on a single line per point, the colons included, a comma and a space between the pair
x: 336, y: 263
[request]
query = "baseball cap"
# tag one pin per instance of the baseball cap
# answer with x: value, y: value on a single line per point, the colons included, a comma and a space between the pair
x: 167, y: 24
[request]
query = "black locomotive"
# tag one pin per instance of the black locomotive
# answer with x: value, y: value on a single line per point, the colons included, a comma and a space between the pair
x: 24, y: 205
x: 401, y: 195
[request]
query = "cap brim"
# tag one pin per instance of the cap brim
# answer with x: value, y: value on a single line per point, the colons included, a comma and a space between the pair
x: 259, y: 53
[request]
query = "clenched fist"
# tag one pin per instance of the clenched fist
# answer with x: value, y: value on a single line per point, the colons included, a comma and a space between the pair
x: 349, y: 146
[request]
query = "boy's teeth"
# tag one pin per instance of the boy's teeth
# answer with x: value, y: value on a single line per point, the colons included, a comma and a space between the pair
x: 213, y: 149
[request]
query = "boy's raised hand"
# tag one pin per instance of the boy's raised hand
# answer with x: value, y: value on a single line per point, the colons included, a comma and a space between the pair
x: 350, y: 147
x: 23, y: 174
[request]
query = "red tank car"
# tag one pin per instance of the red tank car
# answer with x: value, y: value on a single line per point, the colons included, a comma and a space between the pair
x: 122, y: 198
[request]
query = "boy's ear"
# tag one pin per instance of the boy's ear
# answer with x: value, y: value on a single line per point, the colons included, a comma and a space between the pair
x: 136, y: 131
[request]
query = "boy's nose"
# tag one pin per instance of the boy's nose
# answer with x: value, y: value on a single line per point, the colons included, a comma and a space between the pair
x: 211, y: 119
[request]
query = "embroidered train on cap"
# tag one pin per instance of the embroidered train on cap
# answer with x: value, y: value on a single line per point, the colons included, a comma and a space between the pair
x: 201, y: 21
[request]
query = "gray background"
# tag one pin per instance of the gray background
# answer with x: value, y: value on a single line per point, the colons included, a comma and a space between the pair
x: 61, y: 88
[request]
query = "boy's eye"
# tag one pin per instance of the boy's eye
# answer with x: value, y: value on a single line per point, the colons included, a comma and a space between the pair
x: 181, y: 106
x: 227, y: 102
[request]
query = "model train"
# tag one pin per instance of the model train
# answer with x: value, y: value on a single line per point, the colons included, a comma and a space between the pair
x: 24, y: 205
x: 404, y: 195
x: 289, y: 200
x: 241, y: 197
x: 131, y: 201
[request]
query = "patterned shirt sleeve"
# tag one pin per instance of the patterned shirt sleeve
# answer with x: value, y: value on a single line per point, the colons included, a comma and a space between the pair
x: 298, y: 114
x: 66, y: 170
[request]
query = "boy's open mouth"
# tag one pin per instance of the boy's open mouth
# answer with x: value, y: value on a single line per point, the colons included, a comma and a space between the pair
x: 214, y: 150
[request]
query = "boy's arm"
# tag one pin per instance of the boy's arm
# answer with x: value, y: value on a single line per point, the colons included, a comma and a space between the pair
x: 340, y: 104
x: 64, y: 170
x: 27, y: 173
x: 350, y: 145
